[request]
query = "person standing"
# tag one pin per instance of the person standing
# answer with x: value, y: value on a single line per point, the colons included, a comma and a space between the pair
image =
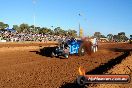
x: 94, y: 45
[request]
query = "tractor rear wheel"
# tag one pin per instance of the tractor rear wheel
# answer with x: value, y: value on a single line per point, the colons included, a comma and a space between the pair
x: 81, y: 50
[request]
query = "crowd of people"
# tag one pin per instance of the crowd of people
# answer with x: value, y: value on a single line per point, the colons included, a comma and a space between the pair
x: 8, y: 36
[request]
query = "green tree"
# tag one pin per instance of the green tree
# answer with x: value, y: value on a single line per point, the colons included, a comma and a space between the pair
x: 32, y: 28
x: 3, y: 26
x: 45, y: 30
x: 97, y: 35
x: 116, y: 38
x: 16, y: 27
x: 58, y: 31
x: 6, y: 26
x: 37, y: 29
x: 72, y: 33
x: 102, y: 36
x: 122, y: 37
x: 110, y: 37
x: 24, y: 28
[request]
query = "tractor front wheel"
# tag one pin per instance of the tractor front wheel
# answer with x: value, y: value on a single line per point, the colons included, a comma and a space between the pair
x: 66, y: 56
x: 52, y: 54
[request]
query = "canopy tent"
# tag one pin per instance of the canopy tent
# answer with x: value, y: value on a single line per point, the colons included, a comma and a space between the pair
x: 12, y: 30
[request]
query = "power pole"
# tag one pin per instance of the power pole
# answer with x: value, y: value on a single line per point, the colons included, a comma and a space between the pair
x: 34, y: 16
x: 80, y: 30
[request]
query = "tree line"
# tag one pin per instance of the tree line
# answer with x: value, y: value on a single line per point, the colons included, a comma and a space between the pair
x: 120, y: 37
x: 25, y: 28
x: 59, y: 31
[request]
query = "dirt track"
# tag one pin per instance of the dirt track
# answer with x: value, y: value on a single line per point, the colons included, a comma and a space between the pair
x: 124, y: 68
x: 21, y: 66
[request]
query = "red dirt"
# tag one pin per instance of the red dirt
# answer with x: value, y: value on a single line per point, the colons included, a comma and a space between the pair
x: 124, y: 68
x: 26, y: 44
x: 21, y: 67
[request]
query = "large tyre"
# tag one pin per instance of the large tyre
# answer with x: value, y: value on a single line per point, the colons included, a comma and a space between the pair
x: 82, y: 50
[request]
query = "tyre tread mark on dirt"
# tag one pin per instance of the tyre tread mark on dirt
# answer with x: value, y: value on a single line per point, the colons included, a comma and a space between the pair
x: 110, y: 64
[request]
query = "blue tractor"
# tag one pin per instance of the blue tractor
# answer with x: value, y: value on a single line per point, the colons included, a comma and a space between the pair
x: 70, y: 47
